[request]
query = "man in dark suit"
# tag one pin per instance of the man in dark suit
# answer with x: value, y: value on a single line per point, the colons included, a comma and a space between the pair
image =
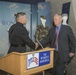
x: 19, y: 36
x: 62, y: 39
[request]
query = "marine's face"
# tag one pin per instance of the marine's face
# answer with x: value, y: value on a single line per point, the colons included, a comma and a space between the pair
x: 24, y: 19
x: 57, y: 20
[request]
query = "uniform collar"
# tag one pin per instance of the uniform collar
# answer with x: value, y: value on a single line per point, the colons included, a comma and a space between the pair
x: 18, y: 23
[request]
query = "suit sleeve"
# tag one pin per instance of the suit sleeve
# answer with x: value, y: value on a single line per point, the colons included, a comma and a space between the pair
x: 71, y: 40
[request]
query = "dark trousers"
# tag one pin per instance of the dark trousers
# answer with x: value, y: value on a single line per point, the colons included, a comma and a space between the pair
x: 59, y: 66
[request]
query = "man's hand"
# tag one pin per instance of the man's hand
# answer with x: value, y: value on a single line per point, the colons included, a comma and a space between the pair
x: 71, y: 54
x: 36, y: 46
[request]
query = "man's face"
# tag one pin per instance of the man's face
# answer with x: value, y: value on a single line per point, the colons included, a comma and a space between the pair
x: 24, y: 19
x: 57, y: 20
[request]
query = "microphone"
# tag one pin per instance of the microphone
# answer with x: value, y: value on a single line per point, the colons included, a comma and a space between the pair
x: 39, y: 42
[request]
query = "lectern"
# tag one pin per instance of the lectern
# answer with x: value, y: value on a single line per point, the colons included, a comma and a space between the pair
x: 27, y: 63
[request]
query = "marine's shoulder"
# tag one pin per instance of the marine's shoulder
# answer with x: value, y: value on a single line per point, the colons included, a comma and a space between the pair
x: 12, y: 26
x: 15, y: 27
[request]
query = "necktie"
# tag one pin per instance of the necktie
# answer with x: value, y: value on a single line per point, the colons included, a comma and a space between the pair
x: 56, y: 40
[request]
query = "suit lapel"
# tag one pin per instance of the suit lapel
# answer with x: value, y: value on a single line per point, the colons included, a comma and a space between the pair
x: 61, y: 30
x: 54, y: 36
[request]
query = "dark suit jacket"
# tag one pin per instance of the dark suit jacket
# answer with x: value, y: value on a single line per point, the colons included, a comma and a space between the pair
x: 66, y: 41
x: 18, y: 34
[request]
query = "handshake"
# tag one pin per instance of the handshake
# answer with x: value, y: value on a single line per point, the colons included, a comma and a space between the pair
x: 36, y: 45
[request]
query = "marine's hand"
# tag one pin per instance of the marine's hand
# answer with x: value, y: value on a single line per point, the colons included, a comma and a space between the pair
x: 36, y: 46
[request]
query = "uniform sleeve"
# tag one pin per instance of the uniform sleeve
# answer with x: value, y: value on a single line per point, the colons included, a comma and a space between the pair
x: 71, y: 39
x: 23, y: 34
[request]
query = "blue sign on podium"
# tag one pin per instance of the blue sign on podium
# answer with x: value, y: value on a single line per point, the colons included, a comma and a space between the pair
x: 44, y: 58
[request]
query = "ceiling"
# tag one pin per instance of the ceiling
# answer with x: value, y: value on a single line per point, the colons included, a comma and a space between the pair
x: 25, y: 1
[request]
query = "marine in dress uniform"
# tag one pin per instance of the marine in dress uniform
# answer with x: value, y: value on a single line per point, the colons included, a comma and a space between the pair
x: 19, y: 36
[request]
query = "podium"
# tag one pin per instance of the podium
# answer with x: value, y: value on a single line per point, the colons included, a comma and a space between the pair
x: 27, y: 63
